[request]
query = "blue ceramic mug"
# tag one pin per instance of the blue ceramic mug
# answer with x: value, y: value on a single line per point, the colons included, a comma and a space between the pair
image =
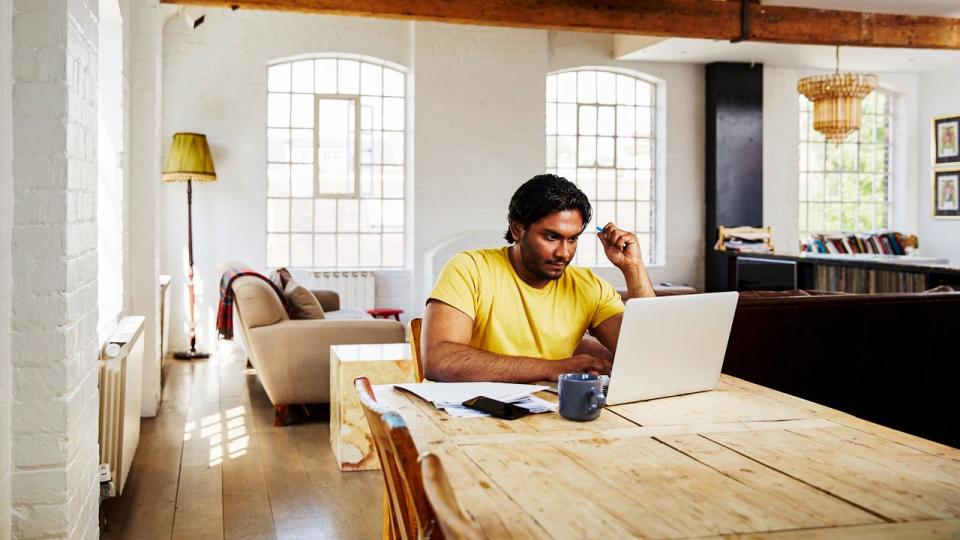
x: 581, y: 396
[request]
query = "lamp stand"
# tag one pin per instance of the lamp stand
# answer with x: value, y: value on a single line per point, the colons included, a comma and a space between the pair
x: 192, y: 354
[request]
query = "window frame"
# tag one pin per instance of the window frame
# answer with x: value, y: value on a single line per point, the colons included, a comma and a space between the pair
x: 401, y: 170
x: 654, y: 254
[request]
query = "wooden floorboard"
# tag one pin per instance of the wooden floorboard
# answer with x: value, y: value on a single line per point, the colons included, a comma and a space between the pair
x: 212, y: 465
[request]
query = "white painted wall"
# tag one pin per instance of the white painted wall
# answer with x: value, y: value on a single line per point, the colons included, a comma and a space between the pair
x: 144, y: 37
x: 477, y: 121
x: 780, y: 153
x: 6, y: 226
x: 54, y: 488
x: 938, y: 96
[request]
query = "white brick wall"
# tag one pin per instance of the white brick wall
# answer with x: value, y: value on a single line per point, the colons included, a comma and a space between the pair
x: 6, y: 224
x: 54, y: 300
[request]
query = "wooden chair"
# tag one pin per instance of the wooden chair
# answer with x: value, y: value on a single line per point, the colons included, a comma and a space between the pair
x: 411, y: 516
x: 413, y: 335
x: 453, y: 522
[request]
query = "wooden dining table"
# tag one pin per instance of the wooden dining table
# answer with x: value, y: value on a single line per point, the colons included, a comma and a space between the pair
x: 739, y: 460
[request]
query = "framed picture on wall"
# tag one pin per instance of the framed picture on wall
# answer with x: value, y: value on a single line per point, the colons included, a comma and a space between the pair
x: 946, y: 193
x: 946, y: 139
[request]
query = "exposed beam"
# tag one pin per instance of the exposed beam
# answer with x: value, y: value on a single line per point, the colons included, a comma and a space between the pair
x: 709, y: 19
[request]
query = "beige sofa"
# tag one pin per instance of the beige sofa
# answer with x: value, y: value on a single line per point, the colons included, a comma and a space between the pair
x: 292, y: 357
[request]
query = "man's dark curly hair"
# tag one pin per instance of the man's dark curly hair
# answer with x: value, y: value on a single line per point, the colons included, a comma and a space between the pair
x: 542, y: 195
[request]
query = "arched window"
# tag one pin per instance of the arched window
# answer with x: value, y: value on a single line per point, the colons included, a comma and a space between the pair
x: 601, y: 134
x: 335, y: 193
x: 845, y: 187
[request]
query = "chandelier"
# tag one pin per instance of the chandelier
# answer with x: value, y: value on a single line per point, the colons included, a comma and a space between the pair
x: 836, y: 100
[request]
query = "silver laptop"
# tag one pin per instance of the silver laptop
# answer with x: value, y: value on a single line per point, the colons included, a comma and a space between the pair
x: 671, y: 345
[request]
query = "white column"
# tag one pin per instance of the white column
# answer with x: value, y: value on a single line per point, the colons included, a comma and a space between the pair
x: 6, y: 224
x: 54, y: 268
x: 146, y: 39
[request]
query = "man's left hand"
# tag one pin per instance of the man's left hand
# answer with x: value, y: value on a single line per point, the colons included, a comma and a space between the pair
x: 621, y: 247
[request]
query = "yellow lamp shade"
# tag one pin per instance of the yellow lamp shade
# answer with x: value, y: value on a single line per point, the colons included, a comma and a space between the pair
x: 189, y: 159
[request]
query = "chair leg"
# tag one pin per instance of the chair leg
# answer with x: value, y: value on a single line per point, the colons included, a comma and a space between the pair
x: 281, y: 414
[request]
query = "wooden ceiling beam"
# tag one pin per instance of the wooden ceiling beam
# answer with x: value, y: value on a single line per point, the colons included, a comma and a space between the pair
x: 707, y: 19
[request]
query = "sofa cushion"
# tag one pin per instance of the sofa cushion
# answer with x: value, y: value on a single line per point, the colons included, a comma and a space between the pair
x: 258, y: 302
x: 347, y: 314
x: 303, y: 301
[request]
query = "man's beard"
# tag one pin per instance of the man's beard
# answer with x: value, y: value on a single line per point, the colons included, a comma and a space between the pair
x: 528, y: 256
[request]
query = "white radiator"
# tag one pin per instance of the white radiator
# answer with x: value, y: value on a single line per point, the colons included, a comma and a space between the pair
x: 121, y: 367
x: 355, y: 287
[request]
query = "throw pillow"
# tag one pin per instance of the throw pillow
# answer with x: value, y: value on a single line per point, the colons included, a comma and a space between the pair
x: 280, y: 277
x: 303, y: 301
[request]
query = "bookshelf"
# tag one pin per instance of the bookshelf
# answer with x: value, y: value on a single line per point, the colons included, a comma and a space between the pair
x: 859, y: 273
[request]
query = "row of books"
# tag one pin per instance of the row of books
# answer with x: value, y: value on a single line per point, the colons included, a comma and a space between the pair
x: 885, y: 243
x: 866, y: 281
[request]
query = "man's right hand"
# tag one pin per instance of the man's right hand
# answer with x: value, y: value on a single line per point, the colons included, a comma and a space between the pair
x: 585, y: 363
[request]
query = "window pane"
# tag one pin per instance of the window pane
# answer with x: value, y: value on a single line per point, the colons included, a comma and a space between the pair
x: 644, y: 121
x: 325, y: 251
x: 644, y: 93
x: 393, y: 148
x: 370, y: 215
x: 588, y: 120
x: 605, y: 120
x: 393, y: 113
x: 392, y: 82
x: 567, y: 87
x: 587, y: 151
x: 301, y: 114
x: 278, y: 250
x: 348, y: 215
x: 551, y: 118
x: 850, y: 188
x: 606, y: 185
x: 348, y: 77
x: 551, y: 152
x: 278, y: 215
x: 325, y: 80
x: 626, y: 90
x: 348, y: 250
x: 566, y: 151
x: 278, y: 145
x: 626, y: 181
x: 393, y: 250
x: 587, y: 86
x: 626, y: 214
x: 606, y: 87
x: 371, y: 113
x: 325, y: 215
x: 393, y: 182
x: 370, y: 250
x: 370, y: 181
x: 605, y: 153
x: 301, y: 215
x: 301, y: 250
x: 371, y: 79
x: 626, y: 153
x: 303, y: 76
x: 278, y: 110
x: 644, y: 153
x: 301, y: 145
x: 644, y: 186
x: 587, y: 248
x: 587, y: 181
x: 606, y: 212
x: 551, y: 88
x: 566, y: 119
x: 393, y: 216
x: 301, y: 181
x: 644, y: 217
x: 278, y: 180
x: 335, y: 146
x: 278, y: 78
x: 626, y: 121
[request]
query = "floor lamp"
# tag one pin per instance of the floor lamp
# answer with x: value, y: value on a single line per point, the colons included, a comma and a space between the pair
x: 190, y: 160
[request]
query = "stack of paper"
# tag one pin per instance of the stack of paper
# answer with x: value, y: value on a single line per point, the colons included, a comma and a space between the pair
x: 449, y: 396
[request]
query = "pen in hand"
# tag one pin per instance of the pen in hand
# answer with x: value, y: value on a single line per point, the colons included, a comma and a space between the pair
x: 625, y: 244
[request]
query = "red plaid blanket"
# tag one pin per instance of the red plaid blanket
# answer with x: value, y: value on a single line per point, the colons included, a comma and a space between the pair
x: 225, y: 310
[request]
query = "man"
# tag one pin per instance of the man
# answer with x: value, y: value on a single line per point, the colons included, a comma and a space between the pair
x: 518, y: 313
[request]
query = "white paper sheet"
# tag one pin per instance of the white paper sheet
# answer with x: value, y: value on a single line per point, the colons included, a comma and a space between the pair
x: 443, y: 395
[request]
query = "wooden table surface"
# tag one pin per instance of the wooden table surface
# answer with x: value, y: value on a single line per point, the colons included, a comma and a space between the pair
x: 742, y: 459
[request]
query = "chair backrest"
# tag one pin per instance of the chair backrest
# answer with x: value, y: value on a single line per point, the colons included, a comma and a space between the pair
x: 453, y: 522
x: 413, y: 334
x: 411, y: 514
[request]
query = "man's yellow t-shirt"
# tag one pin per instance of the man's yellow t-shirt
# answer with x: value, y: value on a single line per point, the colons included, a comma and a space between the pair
x: 512, y: 318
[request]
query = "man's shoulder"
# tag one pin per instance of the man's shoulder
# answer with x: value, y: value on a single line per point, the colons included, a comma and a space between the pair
x: 485, y: 257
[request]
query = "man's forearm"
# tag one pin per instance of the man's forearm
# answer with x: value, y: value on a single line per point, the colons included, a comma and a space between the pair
x: 638, y: 283
x: 458, y: 362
